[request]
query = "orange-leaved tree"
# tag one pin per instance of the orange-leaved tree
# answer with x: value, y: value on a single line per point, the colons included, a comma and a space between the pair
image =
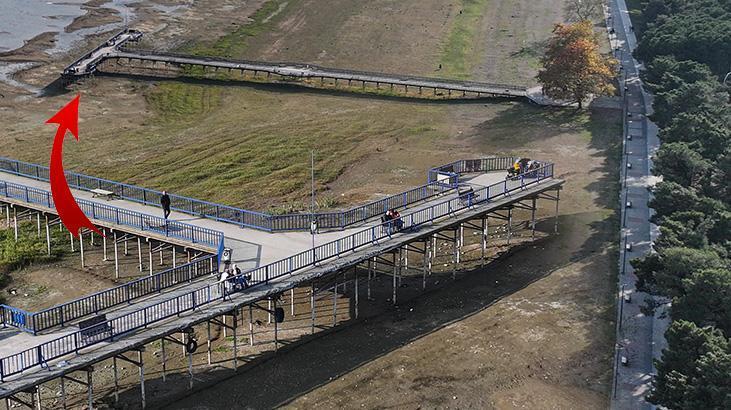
x: 573, y: 67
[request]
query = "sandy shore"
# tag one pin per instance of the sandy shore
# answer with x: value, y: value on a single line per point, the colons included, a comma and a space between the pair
x: 34, y: 49
x: 96, y: 15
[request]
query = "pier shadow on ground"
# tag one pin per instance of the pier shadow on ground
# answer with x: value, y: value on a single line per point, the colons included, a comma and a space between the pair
x: 58, y: 88
x: 304, y: 365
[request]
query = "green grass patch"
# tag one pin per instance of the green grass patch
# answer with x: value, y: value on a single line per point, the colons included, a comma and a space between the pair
x: 234, y: 45
x: 28, y: 249
x: 176, y: 101
x: 461, y: 52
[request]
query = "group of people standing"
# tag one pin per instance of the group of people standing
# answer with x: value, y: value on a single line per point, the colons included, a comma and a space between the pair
x: 521, y: 166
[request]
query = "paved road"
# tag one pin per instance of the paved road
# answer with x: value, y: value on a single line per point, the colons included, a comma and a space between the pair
x: 636, y: 333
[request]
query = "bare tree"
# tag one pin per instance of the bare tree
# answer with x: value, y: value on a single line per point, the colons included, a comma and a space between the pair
x: 580, y: 10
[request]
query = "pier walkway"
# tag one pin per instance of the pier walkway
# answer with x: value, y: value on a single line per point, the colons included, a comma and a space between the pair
x: 159, y: 63
x: 274, y: 262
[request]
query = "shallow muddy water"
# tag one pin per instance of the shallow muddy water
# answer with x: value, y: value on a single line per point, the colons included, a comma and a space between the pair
x: 22, y: 20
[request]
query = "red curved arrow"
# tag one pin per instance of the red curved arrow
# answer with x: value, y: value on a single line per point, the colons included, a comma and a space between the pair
x: 71, y: 215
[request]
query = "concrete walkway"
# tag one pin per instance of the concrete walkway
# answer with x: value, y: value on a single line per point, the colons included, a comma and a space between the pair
x: 251, y: 248
x: 639, y: 337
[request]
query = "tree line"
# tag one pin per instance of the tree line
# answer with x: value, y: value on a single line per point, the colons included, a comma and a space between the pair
x: 686, y: 48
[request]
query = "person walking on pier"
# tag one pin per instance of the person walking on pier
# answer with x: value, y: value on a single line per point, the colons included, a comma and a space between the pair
x: 165, y: 203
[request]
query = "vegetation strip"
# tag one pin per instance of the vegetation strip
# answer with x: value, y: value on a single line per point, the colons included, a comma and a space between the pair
x: 686, y: 47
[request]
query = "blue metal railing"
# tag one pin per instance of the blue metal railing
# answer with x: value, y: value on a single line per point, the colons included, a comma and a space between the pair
x: 65, y: 313
x: 119, y: 216
x: 449, y: 173
x: 132, y: 321
x: 260, y: 220
x: 12, y: 316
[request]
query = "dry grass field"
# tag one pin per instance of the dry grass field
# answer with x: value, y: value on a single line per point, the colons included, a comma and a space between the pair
x: 532, y: 331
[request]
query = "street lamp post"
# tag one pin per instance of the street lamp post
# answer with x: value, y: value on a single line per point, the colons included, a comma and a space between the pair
x: 313, y: 221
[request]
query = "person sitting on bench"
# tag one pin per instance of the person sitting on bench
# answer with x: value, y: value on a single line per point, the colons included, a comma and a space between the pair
x: 238, y: 279
x: 386, y: 221
x: 397, y: 221
x: 467, y: 196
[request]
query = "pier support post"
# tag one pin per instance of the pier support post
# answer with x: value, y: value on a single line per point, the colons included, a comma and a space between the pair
x: 432, y: 252
x: 335, y: 301
x: 355, y: 286
x: 269, y: 310
x: 71, y: 237
x: 116, y: 379
x: 63, y: 393
x: 142, y: 377
x: 116, y: 257
x: 276, y: 328
x: 149, y: 248
x: 396, y: 262
x: 483, y: 235
x: 126, y: 246
x: 163, y: 359
x: 251, y: 327
x: 424, y: 264
x: 38, y: 224
x: 460, y: 244
x: 81, y: 247
x: 510, y: 224
x: 90, y: 387
x: 234, y: 328
x: 139, y: 253
x: 533, y: 221
x: 15, y: 227
x: 208, y: 341
x: 38, y: 402
x: 400, y: 265
x: 190, y: 362
x: 434, y: 248
x: 104, y: 245
x: 370, y: 275
x: 455, y: 255
x: 48, y: 237
x: 555, y: 225
x: 174, y: 261
x: 291, y: 301
x: 312, y: 308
